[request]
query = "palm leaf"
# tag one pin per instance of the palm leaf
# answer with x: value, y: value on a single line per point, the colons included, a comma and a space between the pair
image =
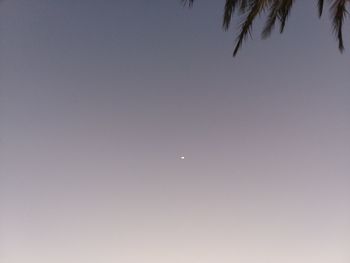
x: 338, y: 13
x: 230, y: 7
x: 320, y: 7
x: 278, y: 9
x: 255, y: 9
x: 271, y: 20
x: 188, y: 2
x: 284, y: 11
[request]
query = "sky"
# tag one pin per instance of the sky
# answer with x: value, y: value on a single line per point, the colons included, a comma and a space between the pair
x: 100, y: 99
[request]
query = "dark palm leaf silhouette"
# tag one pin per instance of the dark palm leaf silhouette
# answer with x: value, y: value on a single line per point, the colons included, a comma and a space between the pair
x: 278, y: 12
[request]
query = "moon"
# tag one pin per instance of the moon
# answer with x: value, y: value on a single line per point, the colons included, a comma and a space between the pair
x: 182, y: 157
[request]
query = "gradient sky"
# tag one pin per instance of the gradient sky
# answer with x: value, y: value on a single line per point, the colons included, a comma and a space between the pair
x: 99, y: 99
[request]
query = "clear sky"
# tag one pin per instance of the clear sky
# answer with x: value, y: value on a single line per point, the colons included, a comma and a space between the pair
x: 100, y: 99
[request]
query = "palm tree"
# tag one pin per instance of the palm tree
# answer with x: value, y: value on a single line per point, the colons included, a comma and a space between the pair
x: 278, y: 12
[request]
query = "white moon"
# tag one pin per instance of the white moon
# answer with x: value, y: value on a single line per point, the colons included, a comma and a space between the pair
x: 182, y: 157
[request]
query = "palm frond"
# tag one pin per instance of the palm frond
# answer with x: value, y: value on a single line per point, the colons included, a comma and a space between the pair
x: 243, y: 5
x: 320, y: 7
x: 230, y: 7
x: 278, y: 10
x: 338, y: 15
x: 284, y: 12
x: 255, y: 9
x: 187, y: 2
x: 271, y: 19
